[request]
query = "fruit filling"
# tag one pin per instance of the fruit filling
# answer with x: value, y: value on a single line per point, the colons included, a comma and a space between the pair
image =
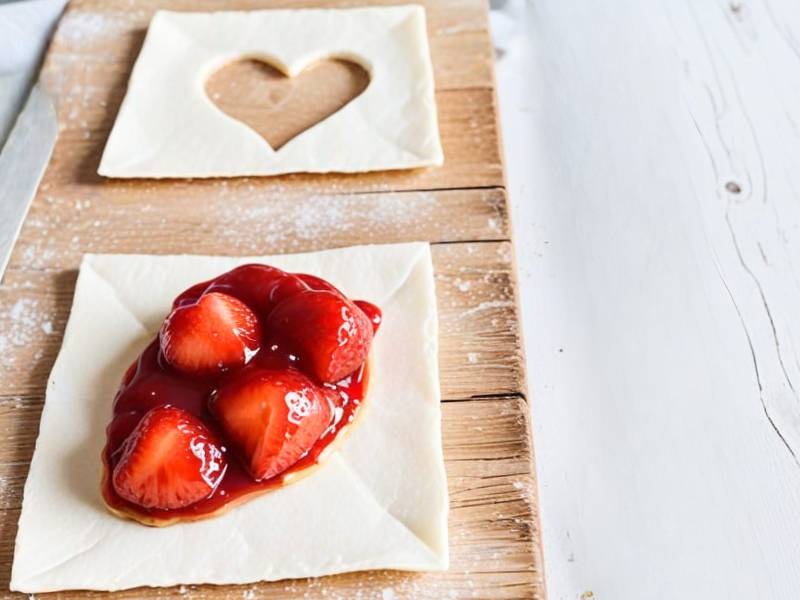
x: 252, y: 376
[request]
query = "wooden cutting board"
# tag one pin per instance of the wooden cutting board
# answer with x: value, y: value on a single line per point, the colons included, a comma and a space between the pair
x: 460, y: 208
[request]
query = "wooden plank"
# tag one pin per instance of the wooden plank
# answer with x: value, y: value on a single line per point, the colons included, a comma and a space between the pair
x: 480, y: 348
x: 461, y: 208
x: 112, y: 33
x: 480, y: 352
x: 466, y: 124
x: 93, y: 52
x: 238, y: 220
x: 487, y: 453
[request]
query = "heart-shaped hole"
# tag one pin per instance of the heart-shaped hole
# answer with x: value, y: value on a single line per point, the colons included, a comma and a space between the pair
x: 278, y: 107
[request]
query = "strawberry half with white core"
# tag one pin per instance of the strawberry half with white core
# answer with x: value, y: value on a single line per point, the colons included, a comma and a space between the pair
x: 272, y: 416
x: 170, y: 460
x: 328, y: 330
x: 210, y: 336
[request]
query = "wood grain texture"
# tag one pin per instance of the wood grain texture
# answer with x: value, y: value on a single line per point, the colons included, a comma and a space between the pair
x: 244, y: 219
x: 108, y: 33
x: 466, y: 124
x: 480, y: 351
x: 460, y: 208
x: 487, y: 455
x: 94, y: 50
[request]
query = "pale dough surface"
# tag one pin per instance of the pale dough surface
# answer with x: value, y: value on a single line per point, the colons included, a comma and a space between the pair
x: 379, y: 502
x: 168, y: 127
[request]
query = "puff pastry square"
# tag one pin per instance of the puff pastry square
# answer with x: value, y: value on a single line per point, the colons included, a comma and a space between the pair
x: 379, y: 502
x: 168, y: 127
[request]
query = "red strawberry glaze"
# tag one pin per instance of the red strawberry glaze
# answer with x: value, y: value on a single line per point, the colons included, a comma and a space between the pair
x: 151, y: 382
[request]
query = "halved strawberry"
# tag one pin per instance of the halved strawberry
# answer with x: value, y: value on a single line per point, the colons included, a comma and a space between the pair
x: 191, y: 295
x: 170, y: 460
x: 317, y: 283
x: 329, y: 331
x: 147, y: 384
x: 373, y: 313
x: 214, y: 334
x: 285, y: 287
x: 252, y: 284
x: 272, y: 416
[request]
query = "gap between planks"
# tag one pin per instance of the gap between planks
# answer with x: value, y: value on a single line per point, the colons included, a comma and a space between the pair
x: 10, y: 402
x: 501, y: 421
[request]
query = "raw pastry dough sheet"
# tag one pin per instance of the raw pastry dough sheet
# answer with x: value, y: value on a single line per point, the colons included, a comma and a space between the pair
x: 168, y: 127
x: 379, y: 502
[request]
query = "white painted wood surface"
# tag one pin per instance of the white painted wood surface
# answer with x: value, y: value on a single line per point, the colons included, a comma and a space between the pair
x: 654, y: 162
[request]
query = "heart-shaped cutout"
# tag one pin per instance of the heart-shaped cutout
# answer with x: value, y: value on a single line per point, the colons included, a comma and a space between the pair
x: 278, y: 107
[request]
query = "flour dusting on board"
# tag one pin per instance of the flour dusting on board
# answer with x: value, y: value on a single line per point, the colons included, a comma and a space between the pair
x: 79, y: 28
x: 268, y: 226
x: 68, y: 74
x: 244, y: 223
x: 20, y: 325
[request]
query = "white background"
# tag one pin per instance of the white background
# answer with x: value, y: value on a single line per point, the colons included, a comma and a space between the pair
x: 662, y: 311
x: 661, y: 306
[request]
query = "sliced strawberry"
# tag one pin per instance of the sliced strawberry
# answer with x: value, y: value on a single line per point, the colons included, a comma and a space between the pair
x: 373, y: 313
x: 156, y: 388
x: 170, y: 460
x: 259, y: 286
x: 215, y: 334
x: 130, y: 373
x: 252, y: 284
x: 286, y: 287
x: 272, y: 416
x: 329, y: 332
x: 147, y: 385
x: 191, y: 295
x: 317, y: 283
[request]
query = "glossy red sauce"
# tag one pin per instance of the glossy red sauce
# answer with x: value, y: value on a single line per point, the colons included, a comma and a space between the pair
x: 151, y: 382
